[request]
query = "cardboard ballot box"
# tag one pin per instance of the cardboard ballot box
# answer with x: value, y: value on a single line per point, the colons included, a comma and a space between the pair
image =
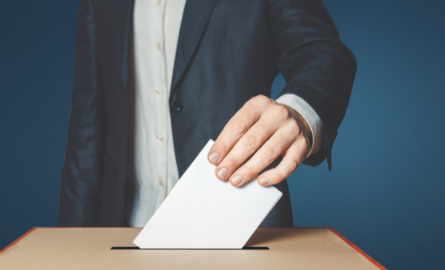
x: 112, y: 248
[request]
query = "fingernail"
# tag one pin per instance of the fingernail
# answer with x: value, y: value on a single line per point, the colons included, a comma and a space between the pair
x: 214, y: 157
x: 264, y: 181
x: 237, y: 179
x: 223, y: 173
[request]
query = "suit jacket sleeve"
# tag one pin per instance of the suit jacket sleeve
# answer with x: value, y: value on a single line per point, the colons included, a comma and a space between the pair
x: 317, y: 66
x: 83, y: 164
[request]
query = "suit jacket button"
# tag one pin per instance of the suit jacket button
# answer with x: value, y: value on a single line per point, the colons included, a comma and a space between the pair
x: 176, y: 107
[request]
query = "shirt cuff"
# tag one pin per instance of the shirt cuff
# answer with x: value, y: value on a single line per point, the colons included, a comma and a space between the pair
x: 311, y: 117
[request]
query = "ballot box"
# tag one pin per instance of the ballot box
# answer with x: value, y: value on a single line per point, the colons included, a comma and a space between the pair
x: 113, y: 248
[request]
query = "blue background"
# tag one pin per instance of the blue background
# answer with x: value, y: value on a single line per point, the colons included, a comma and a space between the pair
x: 386, y: 190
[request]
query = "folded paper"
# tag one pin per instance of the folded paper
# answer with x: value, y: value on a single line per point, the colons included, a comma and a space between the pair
x: 203, y: 212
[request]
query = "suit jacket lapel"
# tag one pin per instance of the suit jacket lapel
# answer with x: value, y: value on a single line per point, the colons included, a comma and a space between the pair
x: 124, y: 32
x: 194, y: 23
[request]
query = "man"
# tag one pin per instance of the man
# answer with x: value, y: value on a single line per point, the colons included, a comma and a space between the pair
x: 154, y: 80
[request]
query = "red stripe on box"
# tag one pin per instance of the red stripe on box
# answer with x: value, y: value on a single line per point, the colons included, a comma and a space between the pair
x: 358, y: 250
x: 16, y: 241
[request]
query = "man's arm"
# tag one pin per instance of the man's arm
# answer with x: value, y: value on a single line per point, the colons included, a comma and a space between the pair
x: 318, y: 68
x: 82, y: 168
x: 316, y: 64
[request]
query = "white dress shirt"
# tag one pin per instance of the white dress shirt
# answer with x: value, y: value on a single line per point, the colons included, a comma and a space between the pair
x: 156, y: 31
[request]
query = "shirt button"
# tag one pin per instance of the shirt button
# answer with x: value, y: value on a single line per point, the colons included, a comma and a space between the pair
x: 176, y: 107
x: 161, y: 183
x: 158, y: 91
x: 159, y: 2
x: 158, y: 46
x: 159, y: 137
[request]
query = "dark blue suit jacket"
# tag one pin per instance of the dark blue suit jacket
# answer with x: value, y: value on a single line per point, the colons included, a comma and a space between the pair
x: 228, y: 52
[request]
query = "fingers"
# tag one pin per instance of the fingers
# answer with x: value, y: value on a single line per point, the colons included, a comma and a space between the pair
x: 240, y: 123
x: 273, y: 117
x: 264, y: 127
x: 271, y: 149
x: 244, y: 148
x: 295, y: 155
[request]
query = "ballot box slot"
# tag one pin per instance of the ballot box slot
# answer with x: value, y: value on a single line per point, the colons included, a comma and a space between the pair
x: 137, y: 248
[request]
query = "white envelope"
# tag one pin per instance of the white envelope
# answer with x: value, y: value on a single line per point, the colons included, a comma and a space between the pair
x: 203, y: 212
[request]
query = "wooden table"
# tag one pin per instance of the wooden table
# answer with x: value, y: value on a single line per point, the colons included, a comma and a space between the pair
x: 91, y: 248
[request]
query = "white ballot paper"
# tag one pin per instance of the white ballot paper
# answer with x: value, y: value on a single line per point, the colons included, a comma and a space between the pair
x: 203, y: 212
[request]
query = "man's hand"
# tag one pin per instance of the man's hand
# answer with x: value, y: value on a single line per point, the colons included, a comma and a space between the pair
x: 268, y: 129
